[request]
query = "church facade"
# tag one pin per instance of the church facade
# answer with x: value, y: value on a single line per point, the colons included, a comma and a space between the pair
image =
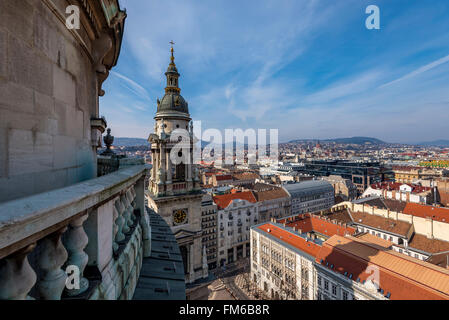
x: 174, y: 190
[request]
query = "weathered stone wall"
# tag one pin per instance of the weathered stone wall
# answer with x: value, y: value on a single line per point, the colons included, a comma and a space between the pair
x: 47, y: 98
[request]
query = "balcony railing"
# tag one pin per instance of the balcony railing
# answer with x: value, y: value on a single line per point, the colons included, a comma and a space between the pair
x: 98, y: 227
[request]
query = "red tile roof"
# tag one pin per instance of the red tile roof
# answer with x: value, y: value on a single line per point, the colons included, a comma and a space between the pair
x: 311, y: 223
x: 223, y: 177
x: 403, y: 277
x: 424, y: 211
x: 223, y: 201
x: 398, y: 227
x: 292, y: 239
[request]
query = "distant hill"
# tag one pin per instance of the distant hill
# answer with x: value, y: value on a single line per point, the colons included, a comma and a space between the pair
x: 436, y: 143
x: 353, y: 140
x: 130, y: 142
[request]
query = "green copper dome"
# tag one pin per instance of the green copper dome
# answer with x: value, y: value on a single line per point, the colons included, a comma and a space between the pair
x: 173, y: 102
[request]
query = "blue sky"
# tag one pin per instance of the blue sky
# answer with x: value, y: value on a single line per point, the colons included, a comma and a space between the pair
x: 308, y: 68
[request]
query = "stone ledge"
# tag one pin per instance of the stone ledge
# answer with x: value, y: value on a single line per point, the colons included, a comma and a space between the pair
x: 22, y: 219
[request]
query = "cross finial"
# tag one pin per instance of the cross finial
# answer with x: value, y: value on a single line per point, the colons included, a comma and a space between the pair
x: 172, y: 58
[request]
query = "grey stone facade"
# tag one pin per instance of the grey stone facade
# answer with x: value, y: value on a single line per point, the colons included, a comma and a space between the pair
x: 49, y: 86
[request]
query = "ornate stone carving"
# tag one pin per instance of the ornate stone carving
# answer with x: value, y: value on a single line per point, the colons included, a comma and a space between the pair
x: 101, y: 47
x: 53, y: 255
x: 108, y: 141
x: 97, y: 126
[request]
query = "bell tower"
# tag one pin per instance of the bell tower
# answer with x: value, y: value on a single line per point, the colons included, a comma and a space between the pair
x: 174, y: 190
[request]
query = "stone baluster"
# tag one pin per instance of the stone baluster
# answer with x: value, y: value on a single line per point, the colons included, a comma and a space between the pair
x: 121, y: 221
x: 127, y: 212
x: 115, y: 228
x: 52, y: 257
x: 130, y: 199
x: 134, y: 195
x: 123, y: 214
x: 16, y: 275
x: 75, y: 241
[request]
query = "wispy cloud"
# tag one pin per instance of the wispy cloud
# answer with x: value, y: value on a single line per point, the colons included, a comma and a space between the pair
x: 307, y: 67
x: 417, y: 72
x: 133, y: 86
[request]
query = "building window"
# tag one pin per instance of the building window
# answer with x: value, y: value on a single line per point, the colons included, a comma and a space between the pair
x: 334, y: 289
x: 345, y: 295
x: 319, y: 281
x: 326, y: 285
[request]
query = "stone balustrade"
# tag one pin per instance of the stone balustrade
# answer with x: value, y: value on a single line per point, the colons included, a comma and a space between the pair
x: 85, y: 241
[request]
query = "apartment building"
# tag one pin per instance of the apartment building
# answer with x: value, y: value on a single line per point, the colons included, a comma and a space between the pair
x: 272, y: 201
x: 209, y: 228
x: 401, y: 191
x: 237, y: 212
x: 289, y: 264
x: 343, y: 188
x: 310, y: 196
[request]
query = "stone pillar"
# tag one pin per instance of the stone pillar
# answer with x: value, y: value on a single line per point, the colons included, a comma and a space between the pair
x: 144, y: 219
x: 169, y: 168
x: 52, y: 256
x: 16, y: 275
x: 162, y: 160
x: 75, y: 241
x: 154, y: 162
x: 189, y: 172
x: 205, y: 265
x: 154, y: 186
x: 191, y: 262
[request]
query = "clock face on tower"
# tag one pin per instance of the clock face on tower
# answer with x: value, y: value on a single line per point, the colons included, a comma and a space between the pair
x: 180, y: 216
